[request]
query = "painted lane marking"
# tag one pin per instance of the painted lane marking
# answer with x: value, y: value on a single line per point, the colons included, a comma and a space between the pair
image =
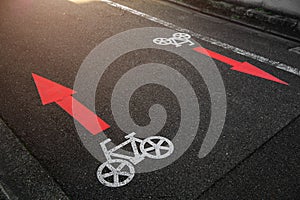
x: 50, y: 92
x: 210, y: 40
x: 155, y: 147
x: 243, y: 67
x: 178, y: 39
x: 295, y: 50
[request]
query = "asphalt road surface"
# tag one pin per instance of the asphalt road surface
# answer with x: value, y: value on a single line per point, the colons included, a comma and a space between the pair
x: 257, y: 153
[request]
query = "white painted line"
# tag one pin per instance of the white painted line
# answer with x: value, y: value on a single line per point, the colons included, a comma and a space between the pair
x: 4, y: 192
x: 210, y: 40
x: 295, y: 50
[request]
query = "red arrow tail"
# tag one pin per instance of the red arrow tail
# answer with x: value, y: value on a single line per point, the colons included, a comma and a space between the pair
x: 82, y: 114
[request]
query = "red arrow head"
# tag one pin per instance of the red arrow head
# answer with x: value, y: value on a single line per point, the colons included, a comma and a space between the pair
x: 247, y: 68
x: 50, y: 91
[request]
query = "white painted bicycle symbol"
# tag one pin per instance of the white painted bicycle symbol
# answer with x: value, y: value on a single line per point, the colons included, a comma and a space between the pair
x: 177, y: 40
x: 117, y: 171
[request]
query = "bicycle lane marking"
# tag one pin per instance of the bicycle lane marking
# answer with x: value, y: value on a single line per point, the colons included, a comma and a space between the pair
x: 178, y: 39
x: 262, y: 59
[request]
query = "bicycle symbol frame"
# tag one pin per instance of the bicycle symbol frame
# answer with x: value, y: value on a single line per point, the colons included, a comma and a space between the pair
x: 116, y: 168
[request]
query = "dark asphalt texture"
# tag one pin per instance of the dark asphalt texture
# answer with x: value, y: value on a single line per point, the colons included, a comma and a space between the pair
x: 52, y: 38
x: 271, y: 172
x: 21, y: 175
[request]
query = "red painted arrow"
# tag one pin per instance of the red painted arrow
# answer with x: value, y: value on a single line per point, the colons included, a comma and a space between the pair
x: 243, y: 67
x: 53, y: 92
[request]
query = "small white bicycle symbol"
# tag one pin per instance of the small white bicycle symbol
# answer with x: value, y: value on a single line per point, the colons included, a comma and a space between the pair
x: 118, y: 172
x: 178, y: 40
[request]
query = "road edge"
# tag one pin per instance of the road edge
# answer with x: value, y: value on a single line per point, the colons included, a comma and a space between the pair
x: 21, y: 175
x: 251, y: 17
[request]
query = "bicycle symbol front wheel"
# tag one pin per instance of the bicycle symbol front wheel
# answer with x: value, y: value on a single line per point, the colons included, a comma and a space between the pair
x: 181, y: 36
x: 157, y: 147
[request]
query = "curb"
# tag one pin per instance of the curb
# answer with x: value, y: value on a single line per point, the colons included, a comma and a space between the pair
x: 21, y: 175
x: 257, y: 18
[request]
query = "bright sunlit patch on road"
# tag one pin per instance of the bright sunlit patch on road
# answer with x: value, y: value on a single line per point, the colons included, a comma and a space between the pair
x: 81, y: 1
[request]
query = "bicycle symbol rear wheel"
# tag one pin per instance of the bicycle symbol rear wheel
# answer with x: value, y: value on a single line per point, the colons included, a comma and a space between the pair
x: 162, y: 41
x: 115, y: 173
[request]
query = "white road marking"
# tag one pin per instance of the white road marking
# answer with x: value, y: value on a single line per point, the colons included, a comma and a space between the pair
x: 4, y: 192
x: 137, y: 157
x: 295, y: 50
x: 178, y: 39
x: 210, y: 40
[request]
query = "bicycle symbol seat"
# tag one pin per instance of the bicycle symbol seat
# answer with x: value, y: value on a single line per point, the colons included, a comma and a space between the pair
x: 178, y: 40
x: 118, y: 170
